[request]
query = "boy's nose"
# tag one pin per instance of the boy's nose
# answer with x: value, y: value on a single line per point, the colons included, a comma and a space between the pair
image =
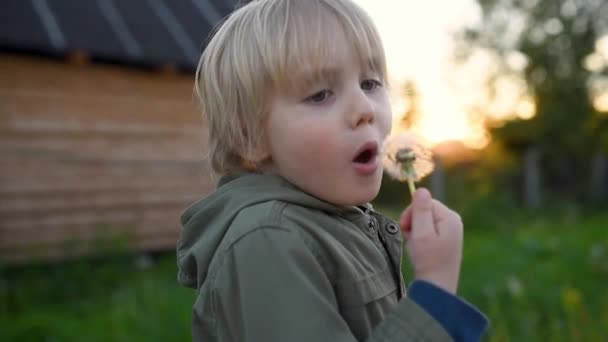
x: 364, y: 118
x: 362, y: 111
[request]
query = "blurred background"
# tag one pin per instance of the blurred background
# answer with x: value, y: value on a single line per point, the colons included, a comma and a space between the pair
x: 102, y: 147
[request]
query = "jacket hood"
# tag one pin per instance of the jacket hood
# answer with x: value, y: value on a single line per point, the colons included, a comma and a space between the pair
x: 205, y: 223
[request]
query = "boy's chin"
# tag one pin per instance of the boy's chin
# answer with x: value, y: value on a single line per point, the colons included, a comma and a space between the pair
x: 360, y: 198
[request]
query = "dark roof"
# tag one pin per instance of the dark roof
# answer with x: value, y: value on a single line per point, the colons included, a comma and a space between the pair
x: 147, y: 33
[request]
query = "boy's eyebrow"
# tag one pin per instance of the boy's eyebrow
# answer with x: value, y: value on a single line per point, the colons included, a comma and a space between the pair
x: 323, y: 74
x: 309, y: 78
x: 306, y: 79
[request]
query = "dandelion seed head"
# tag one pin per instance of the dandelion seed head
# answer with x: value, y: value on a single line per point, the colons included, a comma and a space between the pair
x: 405, y: 155
x: 405, y: 158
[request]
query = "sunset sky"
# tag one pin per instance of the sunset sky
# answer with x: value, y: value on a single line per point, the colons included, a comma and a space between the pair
x: 418, y: 42
x: 418, y: 38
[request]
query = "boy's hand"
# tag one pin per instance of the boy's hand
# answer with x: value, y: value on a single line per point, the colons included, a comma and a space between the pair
x: 434, y: 240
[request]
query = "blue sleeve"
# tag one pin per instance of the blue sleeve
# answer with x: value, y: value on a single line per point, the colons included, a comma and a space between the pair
x: 460, y: 319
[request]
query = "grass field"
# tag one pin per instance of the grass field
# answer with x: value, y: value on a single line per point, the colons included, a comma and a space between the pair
x: 538, y: 278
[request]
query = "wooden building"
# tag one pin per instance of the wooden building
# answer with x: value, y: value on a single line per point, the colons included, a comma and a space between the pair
x: 100, y: 138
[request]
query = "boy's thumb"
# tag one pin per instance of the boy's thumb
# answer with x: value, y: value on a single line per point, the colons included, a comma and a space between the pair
x: 422, y: 214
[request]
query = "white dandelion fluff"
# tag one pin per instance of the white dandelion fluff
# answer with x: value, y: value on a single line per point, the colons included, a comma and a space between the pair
x: 407, y: 159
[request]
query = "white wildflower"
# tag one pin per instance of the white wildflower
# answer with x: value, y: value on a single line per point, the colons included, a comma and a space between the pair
x: 406, y: 159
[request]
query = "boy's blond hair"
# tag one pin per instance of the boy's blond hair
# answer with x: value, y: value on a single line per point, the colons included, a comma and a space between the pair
x: 256, y: 52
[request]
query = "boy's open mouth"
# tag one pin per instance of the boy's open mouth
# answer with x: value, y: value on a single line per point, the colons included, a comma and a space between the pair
x: 366, y: 153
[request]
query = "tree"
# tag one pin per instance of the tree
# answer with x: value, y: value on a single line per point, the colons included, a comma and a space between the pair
x: 554, y: 40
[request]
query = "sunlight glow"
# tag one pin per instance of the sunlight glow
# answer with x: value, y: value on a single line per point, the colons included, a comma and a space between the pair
x: 601, y: 103
x: 594, y: 62
x: 418, y: 43
x: 443, y: 121
x: 418, y: 40
x: 602, y: 46
x: 525, y: 108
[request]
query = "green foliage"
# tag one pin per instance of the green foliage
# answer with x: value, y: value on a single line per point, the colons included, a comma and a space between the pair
x: 555, y: 36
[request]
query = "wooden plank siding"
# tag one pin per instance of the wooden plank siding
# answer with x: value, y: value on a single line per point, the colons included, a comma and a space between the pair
x: 94, y: 153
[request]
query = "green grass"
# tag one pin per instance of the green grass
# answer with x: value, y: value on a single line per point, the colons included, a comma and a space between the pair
x: 537, y: 277
x: 543, y: 280
x: 110, y: 300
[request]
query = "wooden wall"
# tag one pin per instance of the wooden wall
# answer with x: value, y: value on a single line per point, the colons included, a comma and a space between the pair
x: 90, y: 153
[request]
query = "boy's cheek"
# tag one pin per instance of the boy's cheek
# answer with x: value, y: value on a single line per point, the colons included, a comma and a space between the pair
x: 315, y: 151
x: 386, y: 125
x: 385, y: 117
x: 308, y: 146
x: 389, y: 126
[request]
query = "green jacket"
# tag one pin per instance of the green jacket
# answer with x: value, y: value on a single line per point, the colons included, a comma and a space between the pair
x: 272, y: 263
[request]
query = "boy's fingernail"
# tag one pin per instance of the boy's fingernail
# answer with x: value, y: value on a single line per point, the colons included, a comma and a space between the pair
x: 422, y: 194
x: 422, y: 200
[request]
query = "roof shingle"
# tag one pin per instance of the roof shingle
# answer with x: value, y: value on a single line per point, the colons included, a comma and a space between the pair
x: 135, y: 32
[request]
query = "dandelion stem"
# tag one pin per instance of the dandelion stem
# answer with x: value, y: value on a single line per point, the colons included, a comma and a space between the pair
x: 406, y: 157
x: 410, y: 183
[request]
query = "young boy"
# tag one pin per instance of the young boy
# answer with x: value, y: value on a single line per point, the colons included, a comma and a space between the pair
x: 287, y: 248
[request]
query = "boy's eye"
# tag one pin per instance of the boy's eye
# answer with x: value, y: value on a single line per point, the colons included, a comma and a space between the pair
x: 370, y: 84
x: 320, y: 96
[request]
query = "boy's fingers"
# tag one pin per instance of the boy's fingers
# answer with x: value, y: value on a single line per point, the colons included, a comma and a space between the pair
x: 442, y: 213
x: 406, y: 222
x: 422, y: 214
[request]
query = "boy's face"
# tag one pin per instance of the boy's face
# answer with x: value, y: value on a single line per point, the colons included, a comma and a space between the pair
x: 325, y: 137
